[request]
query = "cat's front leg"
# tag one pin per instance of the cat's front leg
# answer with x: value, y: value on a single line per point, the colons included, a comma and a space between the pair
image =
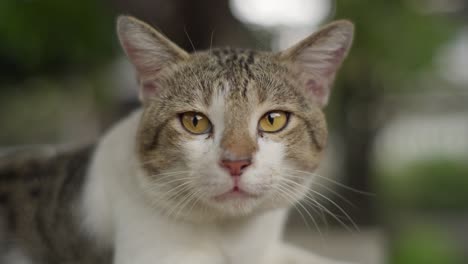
x: 194, y: 257
x: 171, y: 255
x: 289, y: 254
x: 177, y: 258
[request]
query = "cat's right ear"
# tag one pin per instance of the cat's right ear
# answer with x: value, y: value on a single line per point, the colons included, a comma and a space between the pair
x: 148, y: 50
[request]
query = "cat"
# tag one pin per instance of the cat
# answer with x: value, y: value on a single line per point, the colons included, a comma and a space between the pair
x: 204, y: 172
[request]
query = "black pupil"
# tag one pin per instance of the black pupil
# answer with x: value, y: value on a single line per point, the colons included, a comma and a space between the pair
x: 195, y: 120
x: 271, y: 119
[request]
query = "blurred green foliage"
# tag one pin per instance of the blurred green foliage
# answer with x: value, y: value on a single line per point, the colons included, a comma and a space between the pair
x: 53, y: 110
x: 424, y: 244
x: 394, y: 39
x: 435, y: 184
x: 53, y: 36
x: 394, y: 47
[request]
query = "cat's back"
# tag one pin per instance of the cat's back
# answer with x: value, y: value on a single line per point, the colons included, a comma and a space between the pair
x: 21, y: 168
x: 39, y: 193
x: 33, y: 175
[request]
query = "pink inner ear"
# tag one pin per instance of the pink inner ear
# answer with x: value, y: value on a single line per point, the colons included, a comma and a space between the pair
x: 149, y: 88
x: 338, y: 56
x: 334, y: 62
x: 317, y: 89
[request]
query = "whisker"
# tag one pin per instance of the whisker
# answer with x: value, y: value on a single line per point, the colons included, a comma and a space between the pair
x: 328, y: 199
x: 305, y: 209
x: 314, y: 203
x: 163, y: 182
x: 292, y: 203
x: 168, y: 173
x: 196, y: 75
x: 196, y: 200
x: 170, y: 193
x: 335, y: 193
x: 190, y: 40
x: 322, y: 214
x: 164, y: 196
x: 211, y: 41
x: 176, y: 196
x: 317, y: 209
x: 333, y: 181
x: 185, y: 202
x: 339, y: 208
x: 317, y: 204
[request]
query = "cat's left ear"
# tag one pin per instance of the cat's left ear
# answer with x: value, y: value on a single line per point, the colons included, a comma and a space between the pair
x: 318, y: 57
x: 149, y: 51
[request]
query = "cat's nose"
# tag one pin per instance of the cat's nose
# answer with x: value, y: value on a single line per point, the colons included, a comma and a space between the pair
x: 235, y: 167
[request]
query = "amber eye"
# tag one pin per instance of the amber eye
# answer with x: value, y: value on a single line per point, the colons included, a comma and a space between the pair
x: 195, y: 123
x: 273, y: 121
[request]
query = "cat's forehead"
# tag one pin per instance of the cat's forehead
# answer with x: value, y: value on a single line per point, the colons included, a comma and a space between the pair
x: 240, y: 75
x: 232, y: 63
x: 235, y: 56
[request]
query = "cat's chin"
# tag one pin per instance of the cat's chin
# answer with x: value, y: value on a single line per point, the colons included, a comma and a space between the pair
x: 232, y: 205
x: 227, y: 206
x: 234, y: 194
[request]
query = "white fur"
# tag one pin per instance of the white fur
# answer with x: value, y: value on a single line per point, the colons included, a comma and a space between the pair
x: 117, y: 214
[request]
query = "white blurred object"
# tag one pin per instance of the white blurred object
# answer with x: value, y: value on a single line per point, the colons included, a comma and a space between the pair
x: 414, y: 136
x: 270, y: 13
x: 285, y: 37
x: 288, y: 20
x: 453, y: 60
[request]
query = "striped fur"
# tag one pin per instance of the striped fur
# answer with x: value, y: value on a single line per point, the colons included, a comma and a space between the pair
x: 38, y: 198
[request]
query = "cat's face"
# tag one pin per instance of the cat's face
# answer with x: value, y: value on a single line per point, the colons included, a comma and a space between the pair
x: 227, y: 133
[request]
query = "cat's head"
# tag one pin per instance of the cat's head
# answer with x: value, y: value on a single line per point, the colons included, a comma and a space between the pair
x: 227, y: 132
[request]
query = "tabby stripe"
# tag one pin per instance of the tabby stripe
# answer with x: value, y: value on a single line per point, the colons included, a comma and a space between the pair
x: 155, y: 139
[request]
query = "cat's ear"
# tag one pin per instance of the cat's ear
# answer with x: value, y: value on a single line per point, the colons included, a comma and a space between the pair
x: 148, y: 50
x: 318, y: 57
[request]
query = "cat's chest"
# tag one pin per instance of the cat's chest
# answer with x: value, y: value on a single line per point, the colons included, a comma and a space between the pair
x: 246, y: 249
x: 250, y: 242
x: 162, y: 239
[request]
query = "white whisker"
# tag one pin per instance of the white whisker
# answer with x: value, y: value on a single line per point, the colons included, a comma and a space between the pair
x: 288, y: 193
x: 332, y: 181
x: 328, y: 199
x: 293, y: 204
x: 305, y: 209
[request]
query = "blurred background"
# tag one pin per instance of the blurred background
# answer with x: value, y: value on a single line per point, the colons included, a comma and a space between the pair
x: 395, y: 181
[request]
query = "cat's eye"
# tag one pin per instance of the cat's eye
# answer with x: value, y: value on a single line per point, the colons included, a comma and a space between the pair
x: 196, y: 123
x: 273, y: 121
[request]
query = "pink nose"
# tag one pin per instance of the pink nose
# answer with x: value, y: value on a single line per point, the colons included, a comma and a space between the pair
x: 235, y: 167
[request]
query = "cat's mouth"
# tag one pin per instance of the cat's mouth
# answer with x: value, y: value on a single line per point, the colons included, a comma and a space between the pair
x: 235, y: 193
